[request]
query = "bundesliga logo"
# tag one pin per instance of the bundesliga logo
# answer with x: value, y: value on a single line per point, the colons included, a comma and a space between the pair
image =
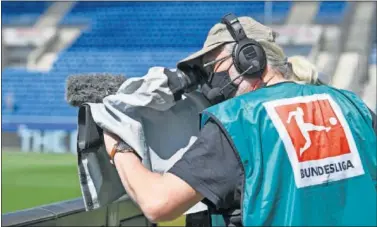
x: 317, y: 139
x: 315, y: 127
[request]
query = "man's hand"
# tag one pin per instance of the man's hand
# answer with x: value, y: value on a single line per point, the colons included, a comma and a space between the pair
x: 110, y: 140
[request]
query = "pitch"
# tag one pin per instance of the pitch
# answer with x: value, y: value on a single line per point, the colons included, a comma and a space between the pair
x: 34, y: 179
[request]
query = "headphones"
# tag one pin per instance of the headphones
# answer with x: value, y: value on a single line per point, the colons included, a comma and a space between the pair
x: 248, y: 55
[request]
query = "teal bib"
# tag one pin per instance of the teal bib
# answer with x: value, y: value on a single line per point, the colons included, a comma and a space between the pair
x: 308, y: 154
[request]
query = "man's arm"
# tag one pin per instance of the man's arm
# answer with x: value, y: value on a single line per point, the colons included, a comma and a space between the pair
x: 160, y: 197
x: 208, y: 169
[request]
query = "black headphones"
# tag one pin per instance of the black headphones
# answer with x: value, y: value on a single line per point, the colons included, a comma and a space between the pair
x: 248, y: 55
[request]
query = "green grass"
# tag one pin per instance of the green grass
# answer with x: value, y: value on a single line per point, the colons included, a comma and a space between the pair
x: 34, y: 179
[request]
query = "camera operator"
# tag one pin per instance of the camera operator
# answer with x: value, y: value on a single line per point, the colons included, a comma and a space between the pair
x: 271, y: 151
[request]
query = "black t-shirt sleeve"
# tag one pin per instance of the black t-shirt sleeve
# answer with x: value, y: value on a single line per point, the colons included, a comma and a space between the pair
x: 211, y: 167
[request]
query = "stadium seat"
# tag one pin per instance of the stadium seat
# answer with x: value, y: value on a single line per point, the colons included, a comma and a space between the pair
x: 303, y: 50
x: 125, y: 38
x: 345, y: 70
x: 128, y: 38
x: 331, y: 12
x: 87, y: 12
x: 35, y: 93
x: 23, y: 12
x: 131, y: 63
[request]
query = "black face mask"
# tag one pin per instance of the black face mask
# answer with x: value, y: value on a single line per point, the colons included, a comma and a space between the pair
x: 219, y: 87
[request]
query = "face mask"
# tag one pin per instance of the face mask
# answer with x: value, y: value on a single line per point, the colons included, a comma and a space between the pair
x: 219, y: 87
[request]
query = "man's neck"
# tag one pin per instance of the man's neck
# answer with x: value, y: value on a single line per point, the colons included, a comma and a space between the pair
x: 274, y: 80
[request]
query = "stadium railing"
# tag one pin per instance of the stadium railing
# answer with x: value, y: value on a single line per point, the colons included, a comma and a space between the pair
x: 72, y: 213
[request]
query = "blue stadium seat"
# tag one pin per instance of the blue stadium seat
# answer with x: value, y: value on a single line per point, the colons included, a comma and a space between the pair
x: 35, y: 93
x: 331, y: 12
x: 22, y: 12
x: 88, y: 12
x: 124, y: 38
x: 130, y: 63
x: 129, y: 25
x: 303, y: 50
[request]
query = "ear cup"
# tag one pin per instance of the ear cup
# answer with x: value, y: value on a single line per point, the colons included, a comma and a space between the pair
x: 249, y: 53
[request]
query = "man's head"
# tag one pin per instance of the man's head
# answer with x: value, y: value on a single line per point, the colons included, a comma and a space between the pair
x: 216, y: 55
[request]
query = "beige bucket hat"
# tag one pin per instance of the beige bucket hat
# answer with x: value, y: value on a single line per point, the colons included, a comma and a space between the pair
x: 219, y: 35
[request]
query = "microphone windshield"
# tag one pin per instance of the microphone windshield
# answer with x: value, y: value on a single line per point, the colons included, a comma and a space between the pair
x: 91, y: 87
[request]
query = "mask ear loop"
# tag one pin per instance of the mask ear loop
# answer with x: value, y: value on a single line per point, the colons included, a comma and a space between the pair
x: 244, y: 72
x: 216, y: 60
